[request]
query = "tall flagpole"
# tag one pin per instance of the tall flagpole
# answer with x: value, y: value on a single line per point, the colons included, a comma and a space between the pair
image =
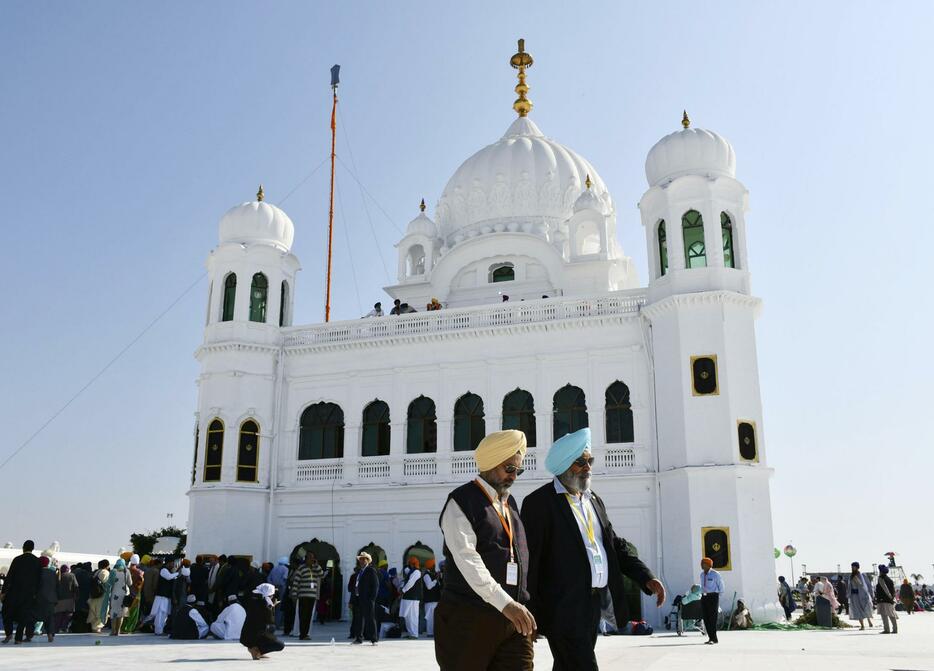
x: 335, y: 79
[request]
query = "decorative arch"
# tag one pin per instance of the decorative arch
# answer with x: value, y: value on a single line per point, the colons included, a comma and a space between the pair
x: 422, y: 427
x: 420, y: 551
x: 415, y: 261
x: 380, y: 558
x: 502, y: 272
x: 321, y: 432
x: 283, y: 304
x: 248, y: 452
x: 469, y: 422
x: 519, y: 414
x: 332, y: 583
x: 259, y: 288
x: 214, y: 451
x: 726, y: 231
x: 570, y: 411
x: 619, y: 425
x: 662, y: 248
x: 587, y: 238
x: 376, y: 433
x: 230, y: 297
x: 692, y: 230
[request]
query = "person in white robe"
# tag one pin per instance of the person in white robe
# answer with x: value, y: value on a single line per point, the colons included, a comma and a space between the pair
x: 162, y: 604
x: 411, y: 598
x: 228, y: 624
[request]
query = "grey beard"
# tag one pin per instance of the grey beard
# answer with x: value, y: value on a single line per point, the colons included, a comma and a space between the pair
x: 501, y: 488
x: 574, y: 483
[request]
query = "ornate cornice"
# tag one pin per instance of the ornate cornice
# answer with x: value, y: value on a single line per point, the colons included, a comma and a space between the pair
x: 670, y: 303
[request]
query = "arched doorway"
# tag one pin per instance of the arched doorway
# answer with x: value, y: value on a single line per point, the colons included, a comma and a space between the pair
x: 420, y: 551
x: 329, y: 601
x: 377, y: 553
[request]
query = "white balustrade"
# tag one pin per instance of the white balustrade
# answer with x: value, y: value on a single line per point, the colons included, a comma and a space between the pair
x: 373, y: 469
x: 463, y: 464
x: 480, y: 317
x: 325, y: 469
x: 423, y: 466
x: 620, y: 459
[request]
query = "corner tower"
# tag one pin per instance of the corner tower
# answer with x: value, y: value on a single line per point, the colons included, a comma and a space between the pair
x: 713, y: 478
x: 252, y: 278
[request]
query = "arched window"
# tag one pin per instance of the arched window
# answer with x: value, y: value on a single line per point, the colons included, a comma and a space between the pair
x: 502, y: 272
x: 376, y: 430
x: 662, y: 249
x: 230, y: 295
x: 519, y: 414
x: 248, y: 452
x: 258, y: 289
x: 695, y: 252
x: 422, y: 434
x: 214, y: 451
x: 618, y: 414
x: 321, y: 433
x: 415, y: 261
x: 726, y: 228
x: 283, y: 303
x: 570, y: 411
x: 469, y: 425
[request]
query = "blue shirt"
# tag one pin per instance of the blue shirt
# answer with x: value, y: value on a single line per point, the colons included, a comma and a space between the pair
x: 711, y: 582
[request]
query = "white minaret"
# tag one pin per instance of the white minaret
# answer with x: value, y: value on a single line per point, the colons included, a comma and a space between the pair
x: 713, y: 478
x: 252, y: 280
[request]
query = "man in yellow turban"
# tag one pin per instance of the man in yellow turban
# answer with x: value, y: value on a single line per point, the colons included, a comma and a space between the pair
x: 481, y: 621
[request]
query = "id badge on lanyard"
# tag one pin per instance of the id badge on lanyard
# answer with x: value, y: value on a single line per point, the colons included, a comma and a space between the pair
x: 597, y: 561
x: 512, y: 573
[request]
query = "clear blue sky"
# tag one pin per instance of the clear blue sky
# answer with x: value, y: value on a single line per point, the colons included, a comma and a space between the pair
x: 128, y: 129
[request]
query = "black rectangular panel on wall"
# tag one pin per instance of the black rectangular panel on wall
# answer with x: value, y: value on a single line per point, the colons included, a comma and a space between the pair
x: 746, y: 434
x: 704, y: 375
x: 716, y: 544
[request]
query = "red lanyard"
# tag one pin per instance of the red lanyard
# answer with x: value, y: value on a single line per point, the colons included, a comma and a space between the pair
x: 505, y: 521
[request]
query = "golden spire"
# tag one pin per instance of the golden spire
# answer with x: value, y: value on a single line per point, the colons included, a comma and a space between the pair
x: 421, y: 205
x: 685, y: 121
x: 588, y: 183
x: 259, y: 194
x: 520, y: 61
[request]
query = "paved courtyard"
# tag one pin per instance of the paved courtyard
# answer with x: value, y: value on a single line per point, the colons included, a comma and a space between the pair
x: 853, y: 650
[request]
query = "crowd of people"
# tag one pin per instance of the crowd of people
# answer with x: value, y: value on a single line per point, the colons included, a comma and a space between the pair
x: 400, y: 308
x: 858, y: 595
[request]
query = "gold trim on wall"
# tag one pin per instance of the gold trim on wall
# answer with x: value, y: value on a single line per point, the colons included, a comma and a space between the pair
x: 755, y: 437
x: 729, y: 551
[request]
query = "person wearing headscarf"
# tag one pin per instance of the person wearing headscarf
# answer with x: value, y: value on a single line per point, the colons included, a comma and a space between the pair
x: 825, y: 589
x: 575, y: 556
x: 481, y: 621
x: 906, y: 595
x: 65, y: 598
x: 119, y: 585
x: 860, y: 593
x: 137, y: 577
x: 255, y: 634
x: 885, y: 601
x: 432, y: 594
x: 277, y: 578
x: 411, y: 597
x: 786, y: 597
x: 46, y: 598
x: 100, y: 600
x: 228, y: 624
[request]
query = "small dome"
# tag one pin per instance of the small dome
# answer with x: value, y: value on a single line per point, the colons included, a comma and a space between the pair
x: 422, y: 225
x: 257, y: 222
x: 588, y: 200
x: 524, y: 179
x: 692, y: 151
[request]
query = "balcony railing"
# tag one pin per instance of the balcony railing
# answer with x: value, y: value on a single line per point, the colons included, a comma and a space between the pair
x: 465, y: 319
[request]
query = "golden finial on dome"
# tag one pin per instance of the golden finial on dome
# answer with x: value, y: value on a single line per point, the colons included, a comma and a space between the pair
x: 588, y: 183
x: 685, y: 121
x: 421, y: 205
x: 520, y: 61
x: 259, y: 194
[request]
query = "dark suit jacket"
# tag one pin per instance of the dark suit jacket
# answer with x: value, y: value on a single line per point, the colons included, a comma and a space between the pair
x: 368, y: 584
x: 559, y: 571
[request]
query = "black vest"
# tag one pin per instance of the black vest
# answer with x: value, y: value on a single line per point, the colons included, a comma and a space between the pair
x: 492, y: 545
x: 414, y: 592
x: 433, y: 595
x: 164, y: 587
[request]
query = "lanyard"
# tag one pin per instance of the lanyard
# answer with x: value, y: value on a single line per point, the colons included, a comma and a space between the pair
x: 505, y: 521
x: 587, y: 520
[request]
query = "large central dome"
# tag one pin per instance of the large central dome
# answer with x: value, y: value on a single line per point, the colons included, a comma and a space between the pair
x: 522, y: 181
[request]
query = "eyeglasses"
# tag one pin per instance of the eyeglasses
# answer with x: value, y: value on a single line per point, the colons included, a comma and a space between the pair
x: 518, y: 470
x: 580, y: 462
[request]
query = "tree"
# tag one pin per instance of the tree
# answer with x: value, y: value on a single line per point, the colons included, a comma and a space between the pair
x: 143, y: 543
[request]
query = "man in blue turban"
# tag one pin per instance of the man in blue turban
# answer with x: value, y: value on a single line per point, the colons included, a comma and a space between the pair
x: 576, y: 561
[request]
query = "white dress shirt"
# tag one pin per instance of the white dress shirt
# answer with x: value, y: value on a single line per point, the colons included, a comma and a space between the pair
x: 585, y: 510
x: 462, y: 542
x: 199, y: 623
x: 710, y: 582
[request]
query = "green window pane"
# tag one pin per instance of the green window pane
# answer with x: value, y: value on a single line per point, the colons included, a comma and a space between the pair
x: 505, y: 273
x: 619, y: 428
x: 726, y: 227
x: 662, y: 248
x: 214, y: 451
x: 570, y: 411
x: 695, y: 253
x: 283, y: 302
x: 258, y: 289
x: 230, y: 294
x: 422, y: 429
x: 519, y: 414
x: 469, y: 422
x: 321, y: 432
x: 376, y: 430
x: 247, y: 452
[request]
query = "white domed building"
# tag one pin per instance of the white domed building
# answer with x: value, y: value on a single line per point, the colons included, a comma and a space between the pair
x: 349, y: 435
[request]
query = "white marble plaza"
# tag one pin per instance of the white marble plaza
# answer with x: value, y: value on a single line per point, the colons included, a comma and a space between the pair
x: 853, y: 650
